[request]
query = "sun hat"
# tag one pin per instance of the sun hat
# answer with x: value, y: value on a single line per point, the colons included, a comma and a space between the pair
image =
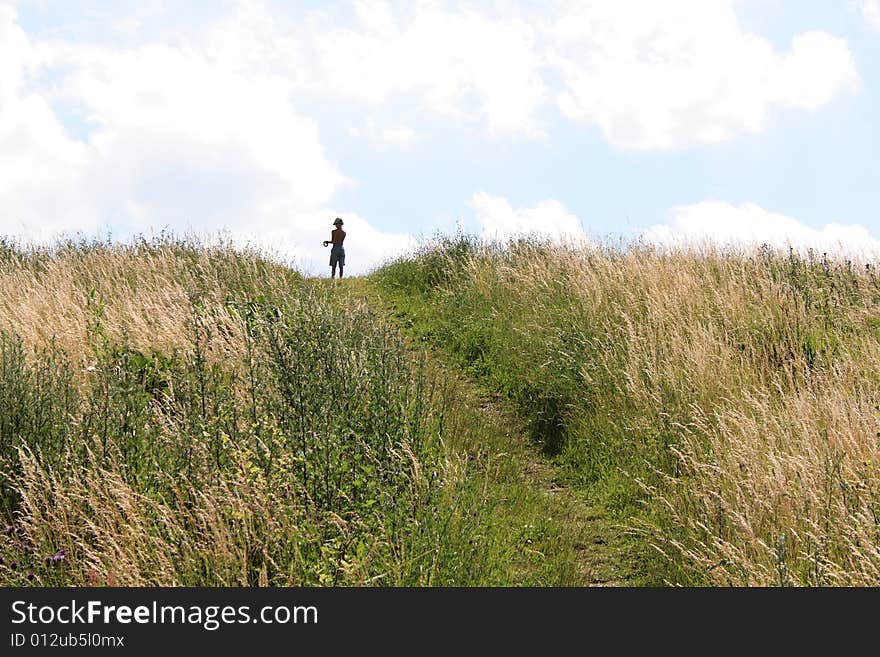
x: 337, y: 222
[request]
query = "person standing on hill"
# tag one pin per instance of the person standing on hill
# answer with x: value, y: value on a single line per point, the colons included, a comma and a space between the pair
x: 337, y: 253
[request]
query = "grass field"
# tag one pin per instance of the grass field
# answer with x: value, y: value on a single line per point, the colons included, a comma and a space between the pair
x: 723, y: 406
x: 177, y: 414
x: 173, y: 413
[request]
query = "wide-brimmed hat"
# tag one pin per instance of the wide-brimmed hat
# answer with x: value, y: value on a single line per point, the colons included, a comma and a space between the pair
x: 337, y: 221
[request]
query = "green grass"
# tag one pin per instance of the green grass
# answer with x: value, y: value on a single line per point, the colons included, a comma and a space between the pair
x: 173, y: 413
x: 282, y: 432
x: 720, y: 405
x: 521, y: 359
x: 555, y: 535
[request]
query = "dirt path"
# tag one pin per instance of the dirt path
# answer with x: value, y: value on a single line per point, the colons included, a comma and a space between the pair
x: 599, y: 547
x: 601, y: 550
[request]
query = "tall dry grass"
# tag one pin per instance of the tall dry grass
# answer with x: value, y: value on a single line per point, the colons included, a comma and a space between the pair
x: 143, y: 292
x: 728, y: 403
x: 178, y: 414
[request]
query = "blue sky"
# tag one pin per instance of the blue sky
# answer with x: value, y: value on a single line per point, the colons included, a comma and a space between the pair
x: 677, y: 122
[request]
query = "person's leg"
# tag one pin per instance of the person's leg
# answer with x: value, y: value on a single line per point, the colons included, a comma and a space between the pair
x: 341, y: 267
x: 333, y: 271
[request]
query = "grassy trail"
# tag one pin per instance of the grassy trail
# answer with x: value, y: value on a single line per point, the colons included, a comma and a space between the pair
x: 588, y: 547
x: 472, y: 415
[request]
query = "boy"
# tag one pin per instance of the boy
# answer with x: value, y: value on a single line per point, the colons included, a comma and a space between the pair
x: 337, y: 253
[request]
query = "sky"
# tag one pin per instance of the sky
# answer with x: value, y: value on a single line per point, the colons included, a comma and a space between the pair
x: 260, y: 121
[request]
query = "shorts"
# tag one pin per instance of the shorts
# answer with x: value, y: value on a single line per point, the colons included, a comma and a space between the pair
x: 337, y: 256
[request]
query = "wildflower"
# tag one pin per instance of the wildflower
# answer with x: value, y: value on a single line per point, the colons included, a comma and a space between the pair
x: 2, y: 561
x: 13, y: 565
x: 30, y: 577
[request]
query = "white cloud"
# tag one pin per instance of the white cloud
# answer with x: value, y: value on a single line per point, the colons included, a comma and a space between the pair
x: 40, y: 167
x: 870, y: 10
x: 398, y: 135
x: 550, y: 219
x: 175, y: 140
x: 457, y: 61
x: 386, y: 135
x: 662, y: 75
x: 748, y: 225
x: 651, y: 75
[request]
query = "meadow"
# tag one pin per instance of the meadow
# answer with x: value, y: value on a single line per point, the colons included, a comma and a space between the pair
x: 173, y: 413
x: 519, y: 413
x: 723, y: 406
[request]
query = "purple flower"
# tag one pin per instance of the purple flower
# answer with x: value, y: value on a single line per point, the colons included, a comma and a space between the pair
x: 30, y: 577
x: 13, y: 565
x: 2, y: 561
